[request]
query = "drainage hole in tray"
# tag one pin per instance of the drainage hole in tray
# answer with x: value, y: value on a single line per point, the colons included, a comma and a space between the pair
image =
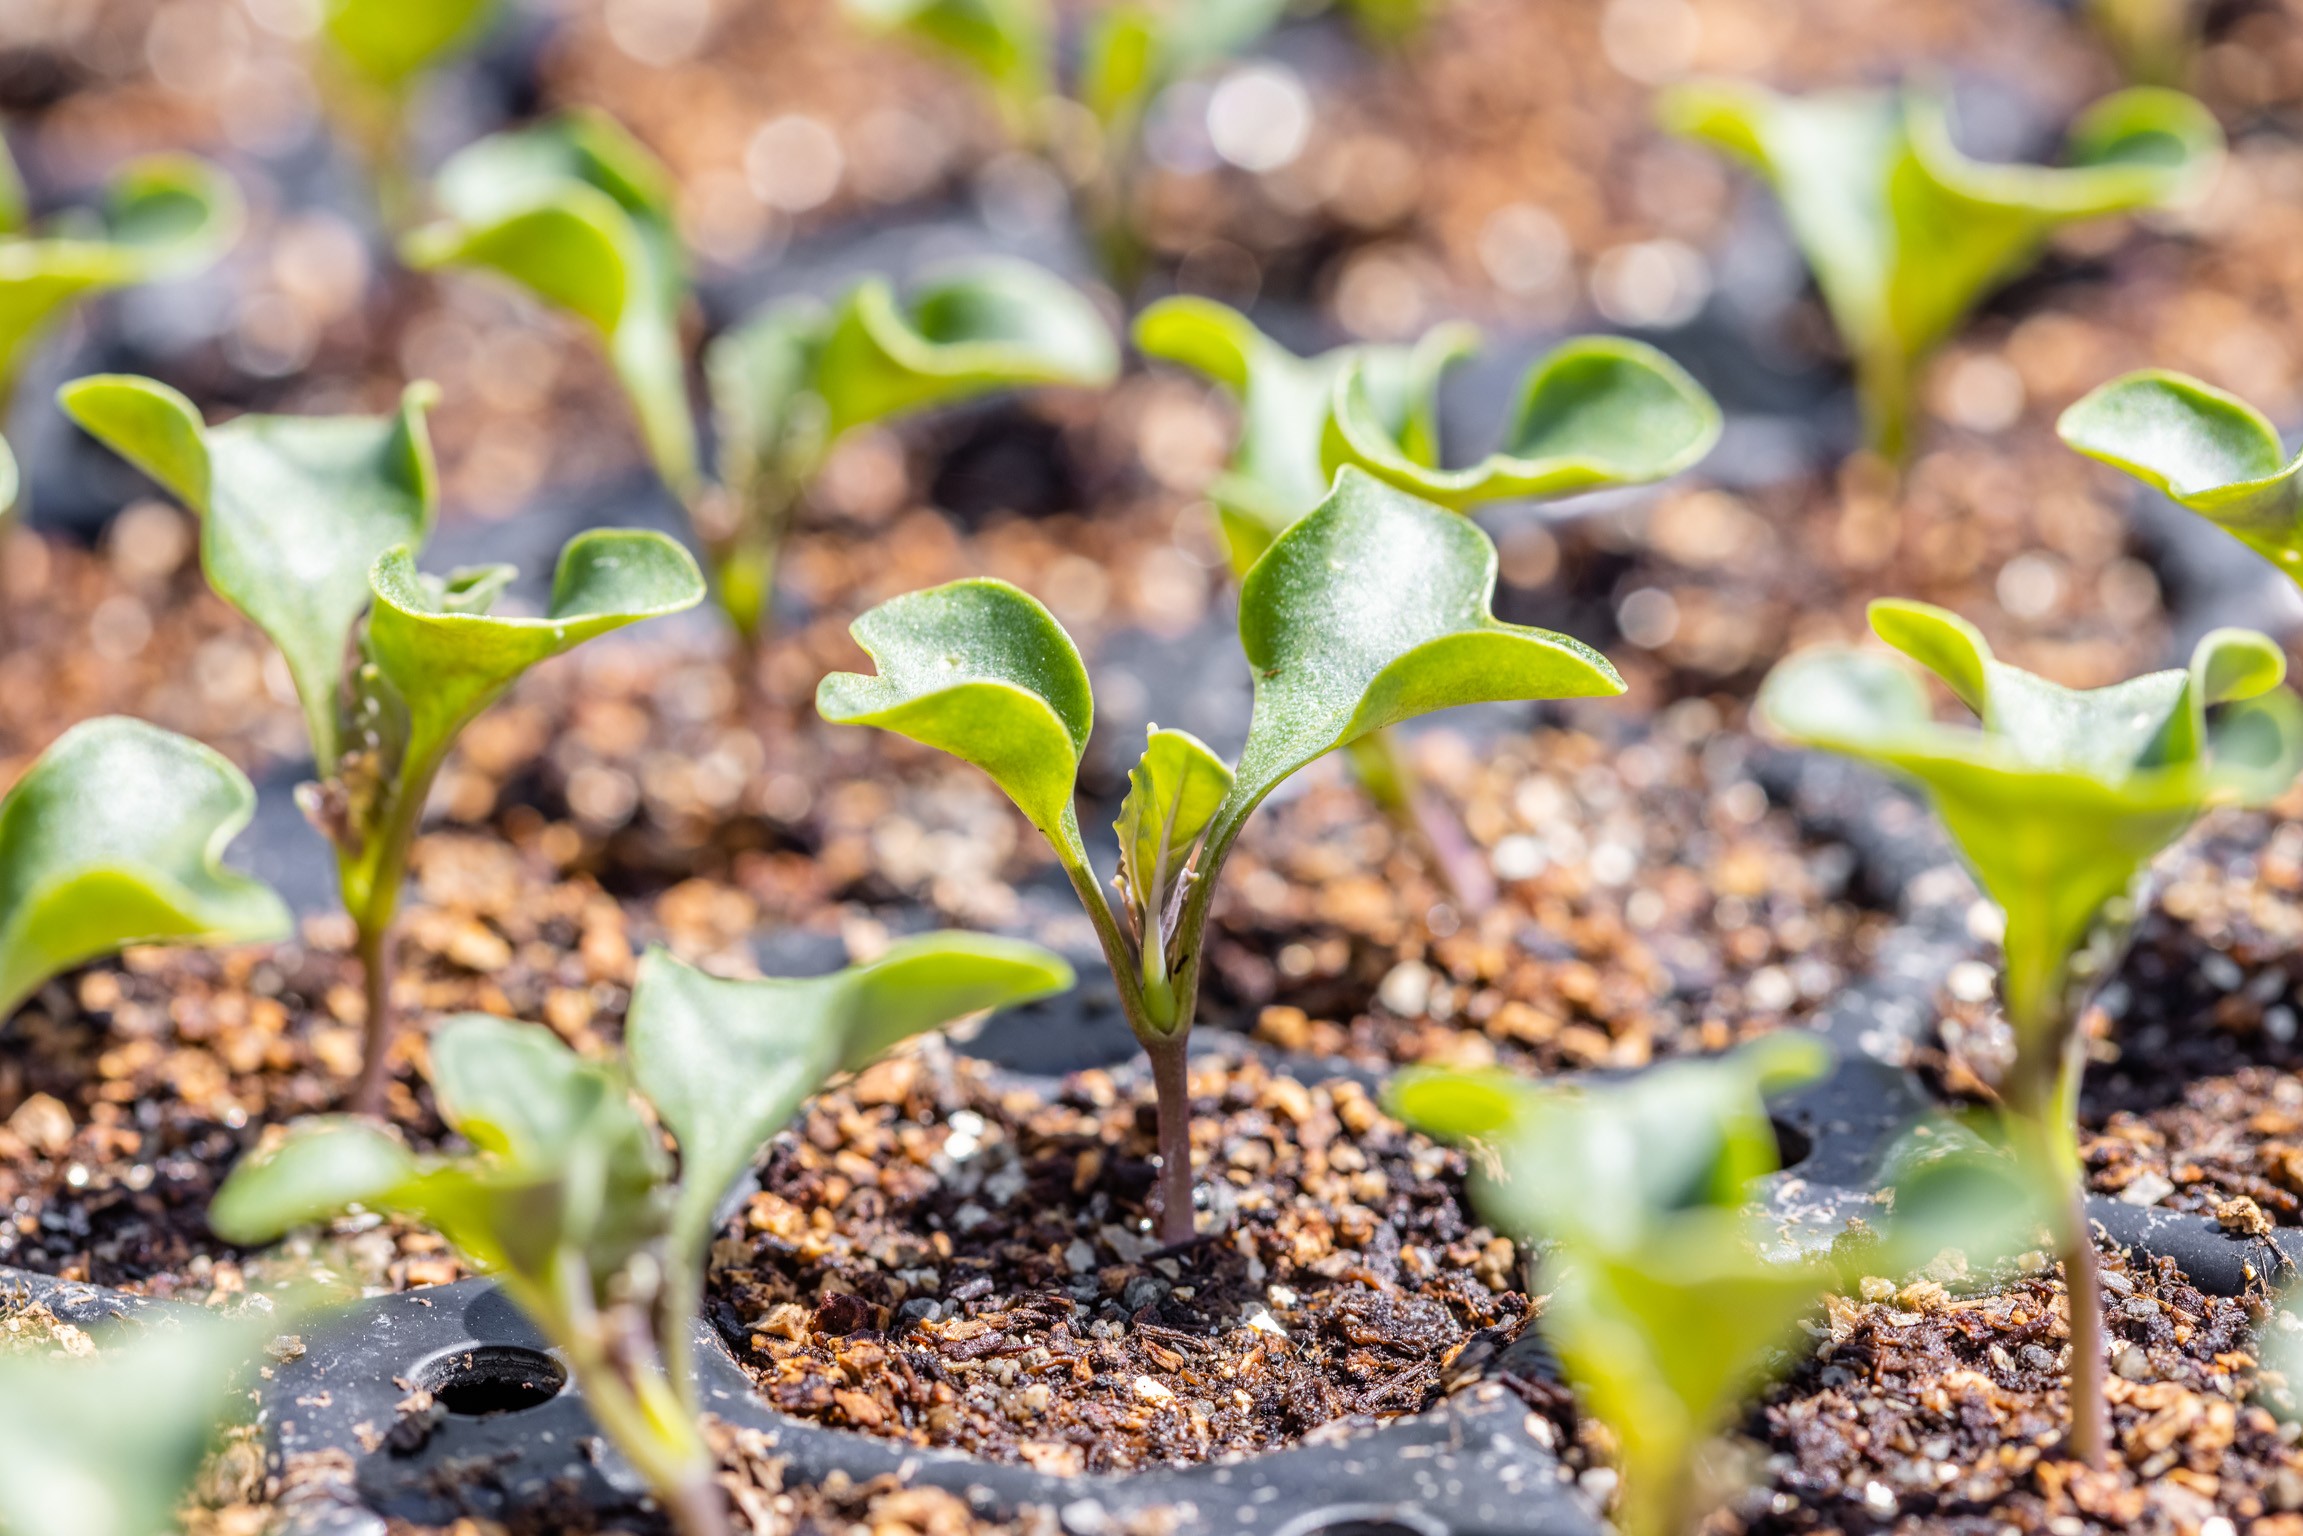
x: 484, y: 1380
x: 1793, y: 1146
x: 1363, y: 1520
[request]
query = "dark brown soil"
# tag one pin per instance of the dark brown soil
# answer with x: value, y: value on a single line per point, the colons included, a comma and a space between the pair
x: 1921, y: 1410
x: 935, y: 1260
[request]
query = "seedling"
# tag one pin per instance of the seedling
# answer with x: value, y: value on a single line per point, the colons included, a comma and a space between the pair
x: 2058, y: 803
x: 566, y: 1195
x: 1088, y: 122
x: 2154, y: 40
x: 378, y: 53
x: 578, y: 212
x: 1597, y: 411
x: 1664, y: 1314
x: 110, y: 1445
x: 2212, y: 453
x: 1905, y: 234
x: 1371, y: 610
x: 309, y: 526
x: 113, y: 837
x: 162, y: 216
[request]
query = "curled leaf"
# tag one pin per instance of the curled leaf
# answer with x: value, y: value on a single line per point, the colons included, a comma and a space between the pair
x: 992, y: 325
x: 387, y: 43
x: 980, y: 670
x: 1174, y: 791
x: 1372, y: 610
x: 294, y: 510
x: 2211, y: 452
x: 162, y: 216
x: 726, y: 1063
x: 1904, y: 233
x: 578, y: 212
x: 113, y: 837
x: 1598, y: 411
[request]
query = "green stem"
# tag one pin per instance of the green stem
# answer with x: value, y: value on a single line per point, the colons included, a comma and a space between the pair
x: 375, y: 946
x: 1883, y: 379
x: 1424, y: 820
x: 370, y: 879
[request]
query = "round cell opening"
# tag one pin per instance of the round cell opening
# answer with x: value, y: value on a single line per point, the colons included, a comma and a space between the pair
x: 1793, y: 1146
x: 1362, y: 1520
x: 481, y: 1381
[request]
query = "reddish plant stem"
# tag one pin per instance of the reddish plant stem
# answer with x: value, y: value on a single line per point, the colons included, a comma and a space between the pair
x: 698, y: 1508
x: 2083, y: 1287
x: 1171, y: 1078
x: 375, y: 950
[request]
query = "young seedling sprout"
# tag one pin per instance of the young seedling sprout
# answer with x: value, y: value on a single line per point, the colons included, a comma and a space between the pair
x: 309, y: 526
x: 1596, y: 411
x: 1664, y: 1314
x: 162, y: 216
x: 1089, y: 121
x: 2212, y: 453
x: 565, y: 1195
x: 113, y: 837
x: 2153, y: 40
x: 110, y: 1445
x: 1371, y: 610
x: 376, y: 55
x: 578, y: 212
x: 2058, y: 803
x: 1905, y: 234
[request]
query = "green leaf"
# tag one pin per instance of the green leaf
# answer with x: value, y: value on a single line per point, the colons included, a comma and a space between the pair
x: 10, y: 481
x: 2153, y: 39
x: 163, y: 216
x: 448, y: 658
x: 2210, y: 452
x: 1609, y: 1162
x: 1372, y: 610
x: 726, y: 1063
x: 2063, y: 796
x: 321, y: 1168
x: 1137, y: 49
x: 109, y: 1446
x: 766, y: 415
x: 990, y: 326
x: 294, y: 510
x: 1904, y: 233
x: 387, y: 43
x: 1276, y: 474
x: 1598, y: 411
x: 114, y: 837
x: 1010, y: 44
x: 1174, y: 791
x: 980, y: 670
x: 578, y: 212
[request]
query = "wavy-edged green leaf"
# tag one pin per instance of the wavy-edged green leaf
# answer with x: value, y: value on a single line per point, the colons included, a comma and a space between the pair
x: 448, y: 658
x: 1010, y: 44
x: 115, y: 836
x: 1374, y: 609
x: 980, y: 670
x: 2210, y: 452
x: 1597, y: 411
x: 387, y: 43
x: 1608, y: 1162
x: 321, y: 1168
x: 726, y: 1063
x: 578, y: 212
x: 110, y: 1445
x: 1904, y: 233
x: 991, y: 325
x: 162, y: 216
x: 2063, y: 795
x: 1174, y: 791
x: 294, y: 511
x: 1276, y: 473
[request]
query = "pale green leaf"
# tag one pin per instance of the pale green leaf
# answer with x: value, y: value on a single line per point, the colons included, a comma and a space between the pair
x: 1010, y: 44
x: 1597, y: 411
x: 294, y: 510
x: 2211, y: 452
x: 726, y: 1063
x: 1138, y: 48
x: 321, y: 1168
x: 389, y: 42
x: 2062, y: 796
x: 578, y: 212
x: 10, y: 480
x: 1174, y: 791
x: 115, y: 837
x: 766, y: 415
x: 110, y: 1445
x: 1904, y: 233
x: 989, y: 326
x: 980, y: 670
x: 163, y: 216
x: 1372, y: 610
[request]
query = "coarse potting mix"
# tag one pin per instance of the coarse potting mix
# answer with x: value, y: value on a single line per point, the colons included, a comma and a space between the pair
x: 1427, y: 1162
